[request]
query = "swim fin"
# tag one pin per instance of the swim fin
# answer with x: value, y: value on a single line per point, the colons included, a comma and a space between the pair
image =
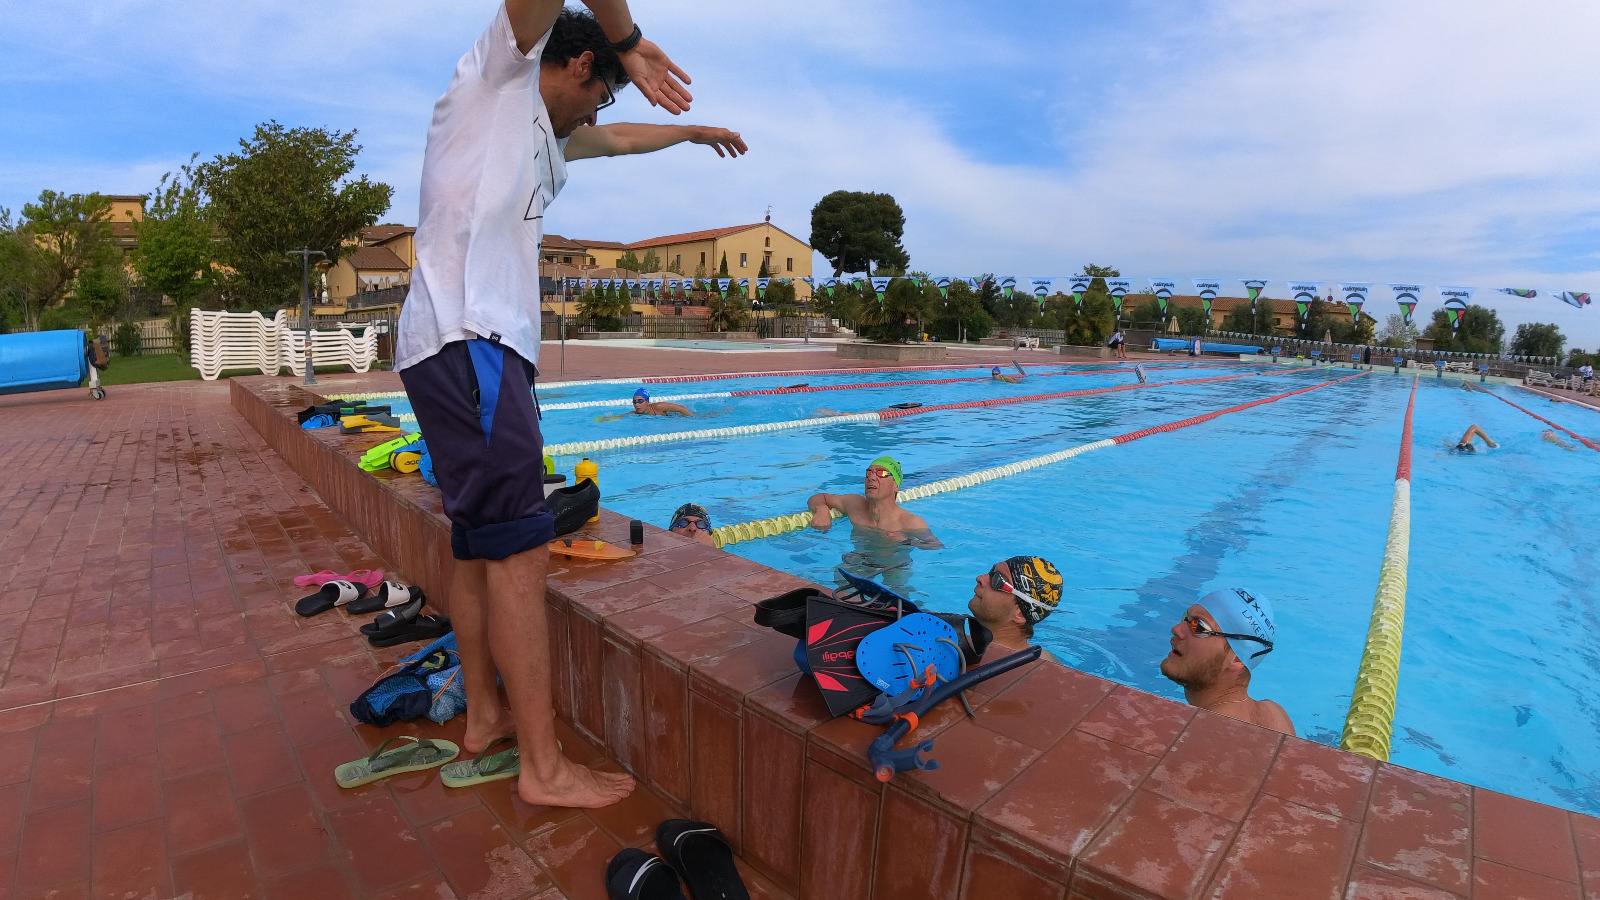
x: 590, y: 550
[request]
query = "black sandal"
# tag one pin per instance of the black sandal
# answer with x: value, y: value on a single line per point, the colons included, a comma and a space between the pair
x: 636, y: 875
x: 701, y: 856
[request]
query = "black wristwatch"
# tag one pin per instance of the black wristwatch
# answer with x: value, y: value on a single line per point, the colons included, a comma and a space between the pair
x: 629, y: 42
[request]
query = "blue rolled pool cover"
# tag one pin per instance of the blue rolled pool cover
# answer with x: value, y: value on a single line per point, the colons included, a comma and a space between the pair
x: 41, y: 361
x: 1205, y: 347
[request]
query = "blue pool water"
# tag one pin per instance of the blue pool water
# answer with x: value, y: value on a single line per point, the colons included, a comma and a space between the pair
x: 1499, y: 678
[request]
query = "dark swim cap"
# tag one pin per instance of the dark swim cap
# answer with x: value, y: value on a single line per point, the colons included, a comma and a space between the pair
x: 690, y: 509
x: 1035, y: 576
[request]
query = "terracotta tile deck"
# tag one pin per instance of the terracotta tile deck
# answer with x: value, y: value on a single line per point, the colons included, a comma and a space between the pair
x: 171, y: 724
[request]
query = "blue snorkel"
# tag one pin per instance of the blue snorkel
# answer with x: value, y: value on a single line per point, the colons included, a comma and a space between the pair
x: 886, y: 761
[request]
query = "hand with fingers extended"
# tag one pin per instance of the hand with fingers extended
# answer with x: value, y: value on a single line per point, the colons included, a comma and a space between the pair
x: 720, y: 140
x: 657, y: 77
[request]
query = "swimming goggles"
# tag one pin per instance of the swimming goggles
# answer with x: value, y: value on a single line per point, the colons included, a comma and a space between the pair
x: 1201, y: 629
x: 879, y: 472
x: 639, y: 400
x: 999, y: 583
x: 695, y: 522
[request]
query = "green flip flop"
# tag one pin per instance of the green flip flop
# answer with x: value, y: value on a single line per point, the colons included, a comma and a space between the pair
x: 486, y: 766
x: 416, y: 754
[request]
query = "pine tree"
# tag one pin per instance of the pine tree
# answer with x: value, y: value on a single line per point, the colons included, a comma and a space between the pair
x: 722, y: 270
x: 763, y: 273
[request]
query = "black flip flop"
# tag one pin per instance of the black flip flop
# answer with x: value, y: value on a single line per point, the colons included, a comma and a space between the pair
x: 700, y: 855
x: 334, y: 593
x: 422, y: 628
x: 389, y: 595
x: 636, y: 875
x: 395, y: 619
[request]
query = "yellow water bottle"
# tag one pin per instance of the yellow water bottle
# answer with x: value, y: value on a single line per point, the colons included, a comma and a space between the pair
x: 589, y: 470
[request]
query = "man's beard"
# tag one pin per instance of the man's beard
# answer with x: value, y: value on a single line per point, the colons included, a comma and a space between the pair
x: 1201, y: 676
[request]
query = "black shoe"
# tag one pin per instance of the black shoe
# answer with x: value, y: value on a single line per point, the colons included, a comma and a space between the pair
x: 636, y: 875
x: 574, y: 505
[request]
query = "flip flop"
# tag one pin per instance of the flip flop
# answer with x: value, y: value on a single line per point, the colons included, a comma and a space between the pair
x: 319, y: 579
x: 395, y: 619
x: 390, y: 594
x: 486, y: 766
x: 334, y: 593
x: 700, y: 855
x: 422, y: 628
x: 636, y: 875
x: 369, y: 577
x: 416, y: 755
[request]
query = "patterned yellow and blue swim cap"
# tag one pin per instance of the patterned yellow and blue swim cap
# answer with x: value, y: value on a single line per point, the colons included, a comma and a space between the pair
x: 1035, y: 576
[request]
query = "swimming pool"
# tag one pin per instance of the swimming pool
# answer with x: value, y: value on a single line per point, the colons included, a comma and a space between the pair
x: 1498, y: 676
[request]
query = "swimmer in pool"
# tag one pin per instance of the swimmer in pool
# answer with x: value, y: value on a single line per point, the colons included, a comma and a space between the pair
x: 642, y: 406
x: 693, y: 522
x: 1465, y: 444
x: 876, y: 507
x: 1550, y: 435
x: 1215, y: 646
x: 1011, y: 598
x: 997, y: 375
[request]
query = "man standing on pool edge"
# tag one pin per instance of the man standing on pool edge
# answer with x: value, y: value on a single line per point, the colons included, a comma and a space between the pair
x: 522, y: 102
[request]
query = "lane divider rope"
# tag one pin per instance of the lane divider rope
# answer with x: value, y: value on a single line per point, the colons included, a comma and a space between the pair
x: 640, y: 440
x: 1569, y: 432
x: 1369, y: 725
x: 776, y: 525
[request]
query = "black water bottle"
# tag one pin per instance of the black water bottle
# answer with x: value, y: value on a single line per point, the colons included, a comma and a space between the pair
x: 636, y: 533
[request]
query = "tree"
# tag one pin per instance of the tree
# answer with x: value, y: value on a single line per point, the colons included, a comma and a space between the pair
x: 1580, y: 357
x: 727, y: 312
x: 763, y: 273
x: 631, y: 262
x: 1147, y: 314
x: 855, y: 229
x: 1397, y: 332
x: 1480, y: 331
x: 651, y: 262
x: 1241, y: 320
x: 959, y: 314
x: 1315, y: 323
x: 286, y: 189
x: 675, y: 267
x: 42, y: 255
x: 1355, y: 331
x: 894, y: 317
x: 177, y: 243
x: 722, y: 267
x: 604, y: 307
x: 1192, y: 321
x: 101, y: 290
x: 1537, y: 339
x: 781, y: 297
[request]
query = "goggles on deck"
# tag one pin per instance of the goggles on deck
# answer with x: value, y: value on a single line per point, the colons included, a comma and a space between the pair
x: 1201, y: 629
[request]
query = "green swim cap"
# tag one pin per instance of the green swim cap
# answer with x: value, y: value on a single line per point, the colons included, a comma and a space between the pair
x: 893, y: 465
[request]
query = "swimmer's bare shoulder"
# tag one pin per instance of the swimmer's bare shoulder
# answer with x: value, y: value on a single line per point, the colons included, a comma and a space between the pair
x: 1269, y: 714
x: 1047, y: 656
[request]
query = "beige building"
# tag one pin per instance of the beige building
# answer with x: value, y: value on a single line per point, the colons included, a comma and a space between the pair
x: 384, y: 259
x: 745, y: 247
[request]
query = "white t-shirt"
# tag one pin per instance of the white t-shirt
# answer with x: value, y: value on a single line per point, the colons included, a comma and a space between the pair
x: 492, y: 164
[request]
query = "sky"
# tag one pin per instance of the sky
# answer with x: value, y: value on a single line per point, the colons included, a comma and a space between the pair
x: 1452, y: 143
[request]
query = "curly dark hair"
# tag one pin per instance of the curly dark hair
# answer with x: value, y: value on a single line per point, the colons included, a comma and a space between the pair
x: 575, y: 31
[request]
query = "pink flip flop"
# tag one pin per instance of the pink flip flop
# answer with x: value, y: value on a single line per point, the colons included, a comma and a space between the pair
x: 369, y: 577
x: 317, y: 580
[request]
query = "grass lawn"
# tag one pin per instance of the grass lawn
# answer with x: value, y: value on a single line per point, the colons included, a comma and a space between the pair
x: 170, y: 367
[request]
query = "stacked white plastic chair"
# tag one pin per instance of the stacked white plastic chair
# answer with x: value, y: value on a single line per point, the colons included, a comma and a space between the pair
x: 224, y: 340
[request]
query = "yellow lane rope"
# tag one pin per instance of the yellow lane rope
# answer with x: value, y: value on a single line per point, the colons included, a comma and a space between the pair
x: 1369, y: 725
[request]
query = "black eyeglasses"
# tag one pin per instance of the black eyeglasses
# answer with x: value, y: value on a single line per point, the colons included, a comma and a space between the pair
x: 1201, y: 629
x: 610, y: 98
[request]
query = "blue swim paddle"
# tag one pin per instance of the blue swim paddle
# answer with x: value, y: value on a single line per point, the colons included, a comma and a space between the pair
x: 899, y: 653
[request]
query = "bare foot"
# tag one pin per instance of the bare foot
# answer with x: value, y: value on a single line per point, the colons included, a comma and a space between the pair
x: 481, y: 732
x: 573, y: 786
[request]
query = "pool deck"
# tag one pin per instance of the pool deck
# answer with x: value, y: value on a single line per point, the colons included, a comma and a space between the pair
x: 170, y: 724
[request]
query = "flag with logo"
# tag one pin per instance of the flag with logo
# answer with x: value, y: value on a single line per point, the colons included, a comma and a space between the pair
x: 1041, y: 288
x: 1304, y: 293
x: 1355, y: 296
x: 942, y: 282
x: 1008, y: 284
x: 722, y: 286
x: 1080, y: 286
x: 1524, y: 293
x: 1163, y: 289
x: 1407, y: 295
x: 1207, y: 288
x: 1118, y: 289
x: 880, y: 284
x: 1254, y: 287
x: 761, y: 286
x: 1580, y: 299
x: 1455, y: 303
x: 632, y: 283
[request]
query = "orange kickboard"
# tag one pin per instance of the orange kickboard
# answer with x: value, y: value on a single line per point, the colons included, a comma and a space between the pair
x: 589, y: 550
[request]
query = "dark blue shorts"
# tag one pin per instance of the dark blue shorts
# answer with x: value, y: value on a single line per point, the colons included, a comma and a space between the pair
x: 475, y: 406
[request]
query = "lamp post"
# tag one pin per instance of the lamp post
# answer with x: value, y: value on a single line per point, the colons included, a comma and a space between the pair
x: 305, y: 298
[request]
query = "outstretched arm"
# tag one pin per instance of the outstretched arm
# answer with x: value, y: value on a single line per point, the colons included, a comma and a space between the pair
x: 625, y: 138
x: 658, y: 78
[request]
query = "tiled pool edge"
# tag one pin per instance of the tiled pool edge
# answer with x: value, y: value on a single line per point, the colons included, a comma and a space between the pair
x: 1060, y: 789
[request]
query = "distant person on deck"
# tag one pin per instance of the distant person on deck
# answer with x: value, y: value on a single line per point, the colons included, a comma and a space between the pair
x: 1465, y: 444
x: 876, y: 507
x: 1011, y: 598
x: 1215, y: 647
x: 1586, y: 372
x: 1116, y: 344
x: 693, y: 522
